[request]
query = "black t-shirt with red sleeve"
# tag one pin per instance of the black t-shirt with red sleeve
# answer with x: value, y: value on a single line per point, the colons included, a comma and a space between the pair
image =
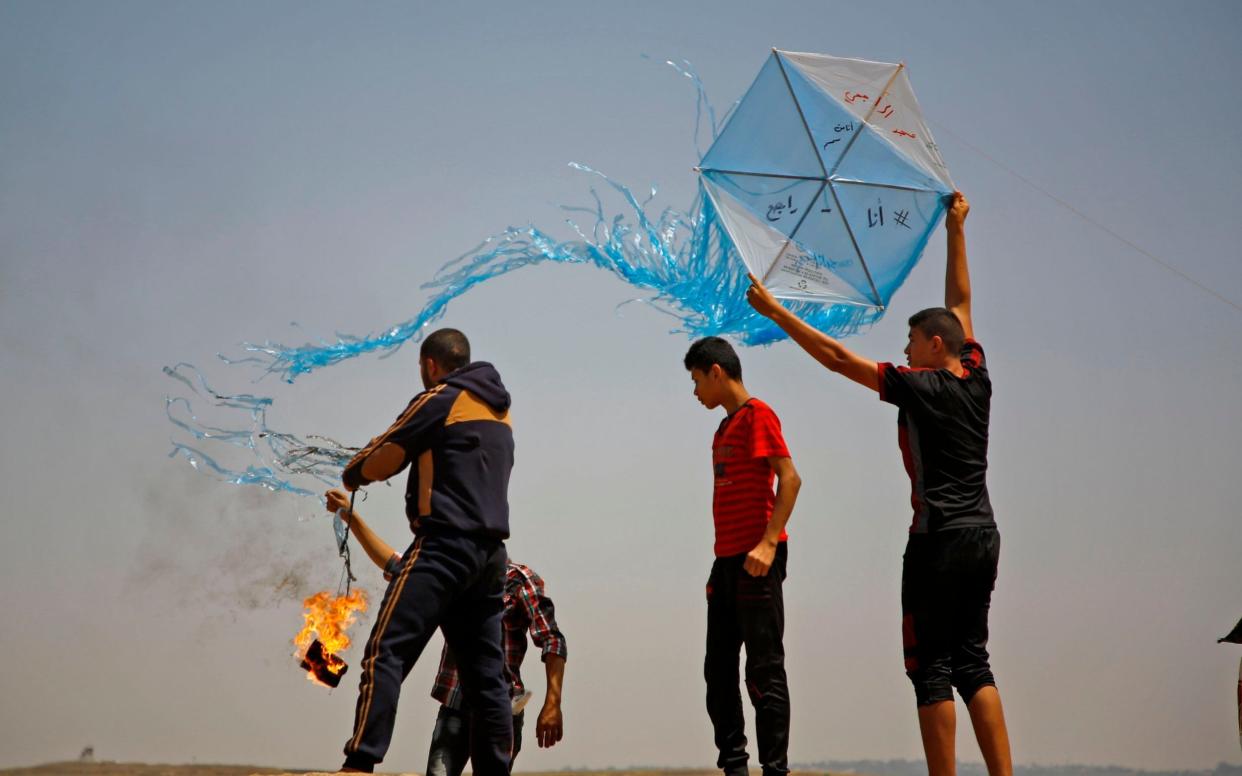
x: 743, y: 498
x: 942, y: 428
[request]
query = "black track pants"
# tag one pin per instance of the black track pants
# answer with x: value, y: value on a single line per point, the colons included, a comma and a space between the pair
x: 455, y: 583
x: 747, y: 611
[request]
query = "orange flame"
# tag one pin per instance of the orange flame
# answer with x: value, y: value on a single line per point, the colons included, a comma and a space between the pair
x: 328, y: 618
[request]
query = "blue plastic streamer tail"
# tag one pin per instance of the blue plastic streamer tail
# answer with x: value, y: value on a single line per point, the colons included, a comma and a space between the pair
x: 685, y: 261
x: 282, y: 457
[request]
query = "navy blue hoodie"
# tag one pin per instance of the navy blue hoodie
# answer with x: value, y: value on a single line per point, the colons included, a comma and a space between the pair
x: 459, y: 444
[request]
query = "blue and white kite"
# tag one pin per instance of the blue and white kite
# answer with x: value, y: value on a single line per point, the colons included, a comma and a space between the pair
x: 824, y: 182
x: 827, y: 179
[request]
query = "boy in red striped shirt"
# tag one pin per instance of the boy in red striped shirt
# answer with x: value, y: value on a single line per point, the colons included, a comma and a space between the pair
x: 745, y: 605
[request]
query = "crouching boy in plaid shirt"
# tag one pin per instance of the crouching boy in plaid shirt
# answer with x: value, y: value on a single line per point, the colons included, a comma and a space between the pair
x: 527, y: 609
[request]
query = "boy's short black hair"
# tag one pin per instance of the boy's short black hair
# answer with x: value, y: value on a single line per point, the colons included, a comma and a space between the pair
x: 449, y: 348
x: 940, y: 322
x: 713, y: 350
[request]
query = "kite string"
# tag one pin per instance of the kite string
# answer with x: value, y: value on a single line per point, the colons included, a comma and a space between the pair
x: 1093, y: 222
x: 347, y: 573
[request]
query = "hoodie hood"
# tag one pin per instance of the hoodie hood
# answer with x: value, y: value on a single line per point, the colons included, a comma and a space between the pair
x: 481, y: 379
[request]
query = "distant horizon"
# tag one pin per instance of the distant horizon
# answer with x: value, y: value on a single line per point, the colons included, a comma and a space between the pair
x: 868, y: 767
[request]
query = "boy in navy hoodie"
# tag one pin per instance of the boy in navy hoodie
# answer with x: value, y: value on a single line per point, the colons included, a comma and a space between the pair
x: 457, y: 440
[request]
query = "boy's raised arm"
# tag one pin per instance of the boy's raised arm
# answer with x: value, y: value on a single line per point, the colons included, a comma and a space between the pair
x: 376, y: 462
x: 957, y: 275
x: 379, y: 551
x: 820, y: 346
x: 389, y: 453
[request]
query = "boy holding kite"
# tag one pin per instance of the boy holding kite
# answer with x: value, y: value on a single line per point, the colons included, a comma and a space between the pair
x: 949, y: 568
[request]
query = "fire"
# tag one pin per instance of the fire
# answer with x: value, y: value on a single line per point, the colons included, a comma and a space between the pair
x: 328, y: 617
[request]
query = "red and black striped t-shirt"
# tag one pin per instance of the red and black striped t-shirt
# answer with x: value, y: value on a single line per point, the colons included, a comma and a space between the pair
x: 743, y: 498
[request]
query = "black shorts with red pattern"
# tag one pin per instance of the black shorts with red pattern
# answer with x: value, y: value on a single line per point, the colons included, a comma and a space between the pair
x: 947, y: 579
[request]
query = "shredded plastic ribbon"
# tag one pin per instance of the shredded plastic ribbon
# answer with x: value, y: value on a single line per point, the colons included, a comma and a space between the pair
x: 684, y: 262
x: 685, y: 259
x: 282, y: 457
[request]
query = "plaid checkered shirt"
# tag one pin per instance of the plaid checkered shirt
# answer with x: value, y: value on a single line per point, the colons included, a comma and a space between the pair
x: 527, y: 609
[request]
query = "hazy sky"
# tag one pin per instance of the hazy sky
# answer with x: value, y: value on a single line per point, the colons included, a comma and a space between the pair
x: 177, y: 178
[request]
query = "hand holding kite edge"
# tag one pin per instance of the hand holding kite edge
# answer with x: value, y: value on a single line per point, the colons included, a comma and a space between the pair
x: 761, y: 298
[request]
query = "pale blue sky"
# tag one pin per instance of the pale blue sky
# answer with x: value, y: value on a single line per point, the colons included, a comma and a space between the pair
x: 178, y: 178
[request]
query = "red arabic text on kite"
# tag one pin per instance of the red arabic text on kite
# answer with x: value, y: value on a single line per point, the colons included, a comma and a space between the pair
x: 851, y: 96
x: 904, y: 133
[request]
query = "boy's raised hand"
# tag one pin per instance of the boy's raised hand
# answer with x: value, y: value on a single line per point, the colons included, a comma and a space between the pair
x: 957, y: 274
x: 761, y: 298
x: 958, y: 209
x: 336, y: 500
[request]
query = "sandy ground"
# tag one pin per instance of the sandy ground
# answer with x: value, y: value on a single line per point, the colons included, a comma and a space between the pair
x: 143, y: 769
